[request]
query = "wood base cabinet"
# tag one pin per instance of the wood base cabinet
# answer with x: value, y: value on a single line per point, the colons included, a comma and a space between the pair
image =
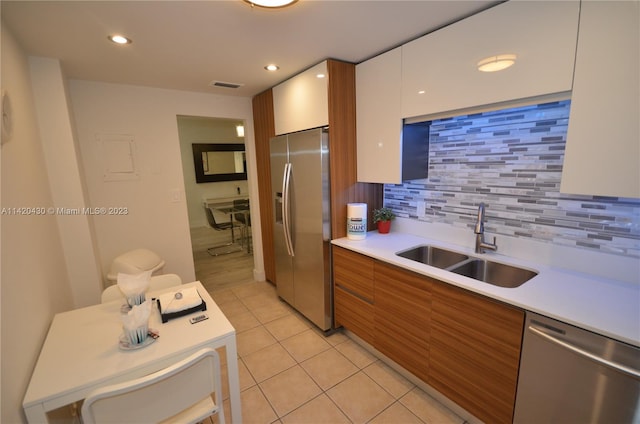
x: 402, y: 317
x: 464, y: 345
x: 475, y: 352
x: 353, y: 293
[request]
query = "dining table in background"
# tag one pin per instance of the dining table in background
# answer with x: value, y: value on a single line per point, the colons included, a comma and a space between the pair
x: 232, y: 212
x: 81, y: 353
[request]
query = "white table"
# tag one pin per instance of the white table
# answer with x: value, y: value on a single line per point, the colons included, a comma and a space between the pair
x: 222, y: 202
x: 81, y: 352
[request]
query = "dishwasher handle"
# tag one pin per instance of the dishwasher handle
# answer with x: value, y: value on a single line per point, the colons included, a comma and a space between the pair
x: 586, y: 354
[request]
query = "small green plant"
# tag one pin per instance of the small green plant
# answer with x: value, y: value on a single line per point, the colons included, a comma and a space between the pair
x: 383, y: 214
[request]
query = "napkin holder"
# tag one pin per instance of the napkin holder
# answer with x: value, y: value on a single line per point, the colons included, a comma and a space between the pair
x: 166, y: 316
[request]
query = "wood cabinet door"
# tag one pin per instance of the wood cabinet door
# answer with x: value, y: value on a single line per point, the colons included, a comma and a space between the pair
x: 475, y: 352
x: 402, y: 317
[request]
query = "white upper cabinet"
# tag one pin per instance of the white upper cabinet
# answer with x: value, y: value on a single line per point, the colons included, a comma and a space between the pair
x: 302, y: 102
x: 440, y: 73
x: 379, y: 124
x: 603, y: 140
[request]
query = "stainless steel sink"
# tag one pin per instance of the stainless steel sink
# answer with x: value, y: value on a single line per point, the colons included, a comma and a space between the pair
x: 494, y: 273
x: 434, y: 256
x: 479, y: 269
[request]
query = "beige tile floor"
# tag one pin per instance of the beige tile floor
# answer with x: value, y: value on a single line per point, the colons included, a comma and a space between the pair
x: 291, y: 373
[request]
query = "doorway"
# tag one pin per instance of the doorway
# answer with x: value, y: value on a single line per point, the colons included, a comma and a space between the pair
x: 223, y: 183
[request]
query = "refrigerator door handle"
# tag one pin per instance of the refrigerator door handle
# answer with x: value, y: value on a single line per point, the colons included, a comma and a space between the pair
x: 286, y: 208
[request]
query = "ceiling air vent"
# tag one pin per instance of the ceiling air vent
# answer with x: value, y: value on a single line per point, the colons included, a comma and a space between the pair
x: 225, y: 84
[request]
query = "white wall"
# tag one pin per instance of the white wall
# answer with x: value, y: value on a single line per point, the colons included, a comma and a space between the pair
x: 34, y: 279
x: 36, y: 248
x: 66, y: 180
x: 156, y: 208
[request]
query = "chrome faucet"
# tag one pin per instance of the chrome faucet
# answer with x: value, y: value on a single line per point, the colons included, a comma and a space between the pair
x: 481, y: 245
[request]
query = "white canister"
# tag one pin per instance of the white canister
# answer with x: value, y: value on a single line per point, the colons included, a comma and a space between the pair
x: 356, y: 221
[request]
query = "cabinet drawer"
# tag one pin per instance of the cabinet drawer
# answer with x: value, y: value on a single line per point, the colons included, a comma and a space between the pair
x: 353, y: 272
x: 354, y: 313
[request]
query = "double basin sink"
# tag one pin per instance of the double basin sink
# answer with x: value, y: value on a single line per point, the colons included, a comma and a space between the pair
x: 483, y: 270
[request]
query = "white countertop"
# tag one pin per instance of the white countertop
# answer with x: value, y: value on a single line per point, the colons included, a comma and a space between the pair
x: 607, y: 307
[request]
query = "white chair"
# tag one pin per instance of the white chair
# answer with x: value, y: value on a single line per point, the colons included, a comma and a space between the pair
x: 134, y: 262
x: 180, y: 393
x: 156, y: 282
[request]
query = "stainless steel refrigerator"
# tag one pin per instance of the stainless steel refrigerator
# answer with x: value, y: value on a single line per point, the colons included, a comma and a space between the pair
x: 302, y: 225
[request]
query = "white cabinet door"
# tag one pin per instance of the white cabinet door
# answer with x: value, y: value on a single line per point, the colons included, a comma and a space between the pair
x: 379, y: 125
x: 439, y: 70
x: 302, y: 102
x: 603, y: 140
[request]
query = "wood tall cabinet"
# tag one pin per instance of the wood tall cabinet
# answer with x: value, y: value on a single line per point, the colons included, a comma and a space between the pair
x: 342, y: 156
x: 264, y: 129
x: 475, y: 352
x: 345, y: 187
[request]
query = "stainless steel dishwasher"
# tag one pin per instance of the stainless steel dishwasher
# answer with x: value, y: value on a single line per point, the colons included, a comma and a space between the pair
x: 570, y: 375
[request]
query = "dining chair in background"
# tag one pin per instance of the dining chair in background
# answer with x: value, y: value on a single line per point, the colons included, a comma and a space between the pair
x: 220, y: 227
x: 244, y: 217
x: 180, y: 393
x: 156, y: 282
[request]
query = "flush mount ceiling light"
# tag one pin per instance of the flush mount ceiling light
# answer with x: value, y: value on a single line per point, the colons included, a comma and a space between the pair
x: 271, y: 4
x: 272, y: 67
x: 119, y: 39
x: 496, y: 63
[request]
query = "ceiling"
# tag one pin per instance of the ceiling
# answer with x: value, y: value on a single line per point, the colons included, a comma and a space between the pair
x: 185, y: 45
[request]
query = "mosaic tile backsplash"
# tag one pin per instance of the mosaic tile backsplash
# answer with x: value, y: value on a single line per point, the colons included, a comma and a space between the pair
x: 511, y: 160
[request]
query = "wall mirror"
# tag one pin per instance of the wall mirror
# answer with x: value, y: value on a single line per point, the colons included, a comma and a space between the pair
x: 219, y: 162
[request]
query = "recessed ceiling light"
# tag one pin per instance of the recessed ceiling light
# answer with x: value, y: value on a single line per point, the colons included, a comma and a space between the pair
x: 496, y: 63
x: 272, y: 4
x: 119, y: 39
x: 320, y: 75
x: 272, y: 67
